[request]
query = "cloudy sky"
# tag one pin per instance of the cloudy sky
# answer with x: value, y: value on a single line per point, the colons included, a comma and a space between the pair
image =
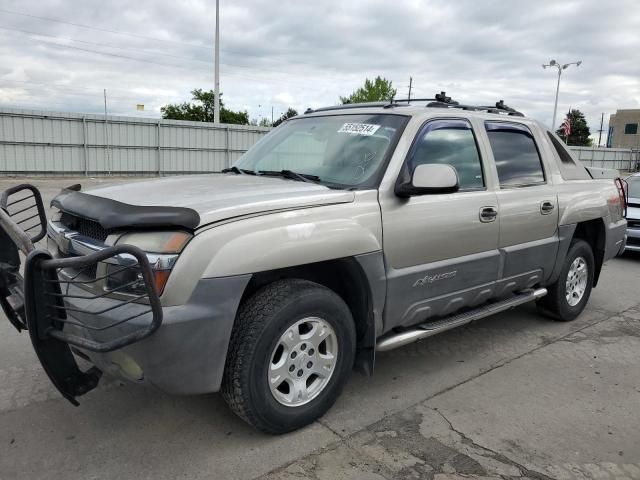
x: 60, y: 55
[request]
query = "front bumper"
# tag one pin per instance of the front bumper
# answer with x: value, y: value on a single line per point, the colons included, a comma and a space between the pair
x: 67, y: 306
x: 633, y: 240
x: 186, y: 355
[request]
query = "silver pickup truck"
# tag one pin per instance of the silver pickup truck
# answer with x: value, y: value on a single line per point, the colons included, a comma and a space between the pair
x: 345, y: 231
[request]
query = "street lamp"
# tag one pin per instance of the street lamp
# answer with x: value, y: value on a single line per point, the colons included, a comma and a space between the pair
x: 560, y: 67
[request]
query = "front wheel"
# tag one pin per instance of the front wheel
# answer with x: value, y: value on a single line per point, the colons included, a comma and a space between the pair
x: 292, y: 349
x: 569, y: 295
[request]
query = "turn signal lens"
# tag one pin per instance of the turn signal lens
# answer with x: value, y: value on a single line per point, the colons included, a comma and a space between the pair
x: 164, y: 245
x: 160, y: 278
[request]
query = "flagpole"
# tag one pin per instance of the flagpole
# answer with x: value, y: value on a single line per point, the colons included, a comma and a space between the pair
x: 566, y: 135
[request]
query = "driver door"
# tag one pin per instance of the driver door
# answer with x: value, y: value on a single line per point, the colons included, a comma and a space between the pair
x: 441, y: 250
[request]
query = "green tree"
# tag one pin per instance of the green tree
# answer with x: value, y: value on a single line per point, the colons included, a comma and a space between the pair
x: 580, y: 132
x: 380, y: 89
x: 202, y: 110
x: 291, y: 112
x: 263, y: 122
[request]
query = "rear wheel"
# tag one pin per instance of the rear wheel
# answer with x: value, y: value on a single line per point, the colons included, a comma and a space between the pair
x: 291, y: 351
x: 569, y: 295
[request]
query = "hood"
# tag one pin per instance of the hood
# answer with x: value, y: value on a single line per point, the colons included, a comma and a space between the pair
x: 218, y: 197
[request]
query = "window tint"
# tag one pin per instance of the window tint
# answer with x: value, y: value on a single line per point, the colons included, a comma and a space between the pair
x: 515, y: 153
x: 565, y: 157
x: 631, y: 128
x: 450, y: 142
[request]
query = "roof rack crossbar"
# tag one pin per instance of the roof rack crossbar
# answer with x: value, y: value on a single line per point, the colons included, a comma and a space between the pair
x: 346, y: 106
x: 409, y: 100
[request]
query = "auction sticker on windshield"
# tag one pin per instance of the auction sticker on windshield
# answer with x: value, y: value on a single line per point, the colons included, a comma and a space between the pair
x: 359, y: 128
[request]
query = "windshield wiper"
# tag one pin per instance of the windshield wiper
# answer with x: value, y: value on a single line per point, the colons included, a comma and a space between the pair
x: 290, y: 174
x: 239, y: 171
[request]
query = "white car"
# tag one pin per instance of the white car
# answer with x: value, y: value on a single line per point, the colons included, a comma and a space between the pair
x: 633, y: 213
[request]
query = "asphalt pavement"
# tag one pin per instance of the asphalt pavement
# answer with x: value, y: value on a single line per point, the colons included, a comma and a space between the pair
x: 511, y: 396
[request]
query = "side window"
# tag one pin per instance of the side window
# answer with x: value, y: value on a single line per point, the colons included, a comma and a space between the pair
x: 516, y: 155
x: 449, y: 142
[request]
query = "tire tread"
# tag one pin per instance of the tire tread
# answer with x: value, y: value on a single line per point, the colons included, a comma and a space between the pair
x: 553, y: 305
x: 251, y: 321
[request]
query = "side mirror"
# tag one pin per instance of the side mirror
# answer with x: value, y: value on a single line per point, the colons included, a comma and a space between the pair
x: 429, y: 178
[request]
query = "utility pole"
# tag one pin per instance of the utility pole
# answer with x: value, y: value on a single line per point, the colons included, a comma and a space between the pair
x: 106, y: 134
x: 272, y: 115
x: 216, y: 101
x: 410, y: 85
x: 600, y: 131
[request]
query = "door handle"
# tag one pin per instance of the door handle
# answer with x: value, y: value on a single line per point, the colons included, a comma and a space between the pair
x: 488, y: 214
x: 546, y: 207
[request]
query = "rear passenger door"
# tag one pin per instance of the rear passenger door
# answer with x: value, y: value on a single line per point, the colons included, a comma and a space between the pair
x: 527, y: 206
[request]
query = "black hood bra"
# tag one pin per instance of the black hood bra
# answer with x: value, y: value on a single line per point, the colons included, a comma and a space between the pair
x: 112, y: 214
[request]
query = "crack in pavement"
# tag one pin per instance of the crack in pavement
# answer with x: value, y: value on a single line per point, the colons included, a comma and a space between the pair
x: 347, y: 440
x: 524, y: 471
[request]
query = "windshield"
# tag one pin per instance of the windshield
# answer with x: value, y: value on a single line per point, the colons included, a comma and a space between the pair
x: 634, y: 187
x: 341, y: 150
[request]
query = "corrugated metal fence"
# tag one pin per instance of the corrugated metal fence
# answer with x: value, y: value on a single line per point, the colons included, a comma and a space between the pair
x: 46, y: 143
x: 616, y: 158
x: 58, y: 143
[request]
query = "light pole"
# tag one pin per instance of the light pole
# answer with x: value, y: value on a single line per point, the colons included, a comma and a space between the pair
x: 560, y: 67
x: 216, y: 95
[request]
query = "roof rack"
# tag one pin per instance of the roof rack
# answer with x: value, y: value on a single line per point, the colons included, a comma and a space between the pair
x: 440, y: 100
x: 345, y: 106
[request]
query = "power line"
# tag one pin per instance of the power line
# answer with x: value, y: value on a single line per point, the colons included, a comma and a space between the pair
x: 146, y: 50
x: 138, y: 59
x: 116, y: 55
x: 101, y: 44
x: 154, y: 39
x: 116, y: 32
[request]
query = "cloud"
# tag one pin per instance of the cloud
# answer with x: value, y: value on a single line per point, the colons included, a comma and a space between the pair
x: 283, y: 99
x: 307, y: 54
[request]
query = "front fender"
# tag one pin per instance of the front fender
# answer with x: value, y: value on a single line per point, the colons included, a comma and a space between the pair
x: 277, y: 240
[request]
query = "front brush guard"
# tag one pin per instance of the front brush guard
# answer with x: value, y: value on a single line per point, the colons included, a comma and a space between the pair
x: 65, y: 302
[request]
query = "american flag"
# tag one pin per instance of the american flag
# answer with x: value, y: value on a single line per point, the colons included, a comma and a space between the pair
x: 566, y: 127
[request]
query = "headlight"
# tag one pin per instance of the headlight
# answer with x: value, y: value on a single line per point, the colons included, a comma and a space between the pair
x: 156, y: 242
x: 162, y: 249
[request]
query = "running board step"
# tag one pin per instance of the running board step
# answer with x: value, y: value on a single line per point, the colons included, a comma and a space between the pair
x: 395, y: 340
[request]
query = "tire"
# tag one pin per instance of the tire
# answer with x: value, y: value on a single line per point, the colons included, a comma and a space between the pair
x: 555, y: 304
x: 254, y: 386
